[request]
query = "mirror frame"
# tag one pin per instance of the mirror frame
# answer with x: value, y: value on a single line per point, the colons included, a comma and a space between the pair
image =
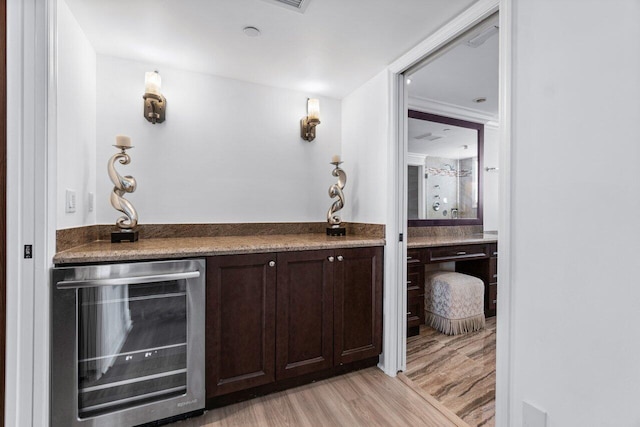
x: 413, y: 114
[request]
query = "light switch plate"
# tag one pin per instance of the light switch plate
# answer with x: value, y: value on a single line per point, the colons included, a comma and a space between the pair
x: 532, y: 416
x: 70, y: 201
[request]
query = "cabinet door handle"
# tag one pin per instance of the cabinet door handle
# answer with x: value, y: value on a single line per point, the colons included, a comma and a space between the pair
x: 408, y: 313
x: 340, y: 258
x: 408, y: 258
x: 330, y: 259
x: 495, y: 301
x: 461, y: 253
x: 272, y: 263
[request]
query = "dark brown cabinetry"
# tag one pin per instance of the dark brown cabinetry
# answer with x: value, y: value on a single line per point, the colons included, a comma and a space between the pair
x: 487, y: 270
x: 477, y: 259
x: 304, y: 331
x: 275, y: 318
x: 357, y: 303
x: 240, y: 328
x: 415, y: 291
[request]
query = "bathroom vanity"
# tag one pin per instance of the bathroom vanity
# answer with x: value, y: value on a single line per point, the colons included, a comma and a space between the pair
x: 476, y: 255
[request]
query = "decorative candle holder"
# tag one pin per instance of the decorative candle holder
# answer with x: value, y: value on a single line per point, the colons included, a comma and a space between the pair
x: 123, y: 184
x: 336, y: 191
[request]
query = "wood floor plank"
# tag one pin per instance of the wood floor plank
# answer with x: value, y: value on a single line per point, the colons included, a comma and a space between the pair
x: 363, y: 398
x: 458, y: 371
x: 433, y: 401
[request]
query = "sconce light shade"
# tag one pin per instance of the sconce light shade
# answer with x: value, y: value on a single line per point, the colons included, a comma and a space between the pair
x: 308, y: 124
x: 155, y: 103
x: 152, y: 82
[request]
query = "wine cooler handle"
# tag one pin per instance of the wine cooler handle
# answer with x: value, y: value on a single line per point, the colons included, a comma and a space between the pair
x: 67, y: 284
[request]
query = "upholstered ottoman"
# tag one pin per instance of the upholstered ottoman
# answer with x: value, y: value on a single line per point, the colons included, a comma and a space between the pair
x: 453, y: 302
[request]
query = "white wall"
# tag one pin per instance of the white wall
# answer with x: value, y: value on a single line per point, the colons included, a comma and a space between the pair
x: 229, y: 151
x: 490, y: 206
x: 574, y: 264
x: 365, y: 136
x: 76, y: 124
x: 367, y: 142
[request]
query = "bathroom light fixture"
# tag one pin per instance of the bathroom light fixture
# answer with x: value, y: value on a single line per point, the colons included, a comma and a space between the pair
x: 155, y: 103
x: 308, y: 124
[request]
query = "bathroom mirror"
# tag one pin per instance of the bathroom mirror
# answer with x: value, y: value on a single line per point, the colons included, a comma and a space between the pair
x: 444, y: 170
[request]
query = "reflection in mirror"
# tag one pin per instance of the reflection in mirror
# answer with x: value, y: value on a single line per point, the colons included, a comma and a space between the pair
x: 444, y: 168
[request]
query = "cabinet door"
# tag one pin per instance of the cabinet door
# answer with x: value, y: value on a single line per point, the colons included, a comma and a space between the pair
x: 240, y: 329
x: 304, y: 327
x: 357, y: 304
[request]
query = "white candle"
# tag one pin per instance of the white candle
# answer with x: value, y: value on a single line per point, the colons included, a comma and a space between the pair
x: 335, y: 158
x: 123, y: 141
x: 152, y: 82
x: 313, y: 109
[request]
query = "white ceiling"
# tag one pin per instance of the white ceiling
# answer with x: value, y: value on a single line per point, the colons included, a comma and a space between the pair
x: 454, y: 142
x: 330, y: 49
x: 461, y: 75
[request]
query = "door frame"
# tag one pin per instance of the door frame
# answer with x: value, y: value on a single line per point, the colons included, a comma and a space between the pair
x: 3, y: 200
x: 398, y: 181
x: 31, y: 193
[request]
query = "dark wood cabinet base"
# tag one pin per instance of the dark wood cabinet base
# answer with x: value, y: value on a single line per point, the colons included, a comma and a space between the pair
x: 240, y: 396
x: 478, y: 259
x: 278, y: 320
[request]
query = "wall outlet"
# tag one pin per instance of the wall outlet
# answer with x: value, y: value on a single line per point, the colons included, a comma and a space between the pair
x: 90, y: 201
x: 70, y: 201
x: 532, y: 416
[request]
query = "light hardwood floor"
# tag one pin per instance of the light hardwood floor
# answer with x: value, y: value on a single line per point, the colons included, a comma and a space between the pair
x: 459, y: 371
x: 363, y: 398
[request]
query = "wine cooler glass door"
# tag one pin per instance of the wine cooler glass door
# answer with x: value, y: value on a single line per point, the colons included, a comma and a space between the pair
x: 127, y: 343
x: 132, y: 345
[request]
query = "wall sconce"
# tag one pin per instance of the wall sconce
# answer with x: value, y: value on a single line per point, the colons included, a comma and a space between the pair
x: 154, y: 103
x: 308, y: 124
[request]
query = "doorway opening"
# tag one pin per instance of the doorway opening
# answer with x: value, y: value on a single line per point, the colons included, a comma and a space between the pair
x: 449, y: 177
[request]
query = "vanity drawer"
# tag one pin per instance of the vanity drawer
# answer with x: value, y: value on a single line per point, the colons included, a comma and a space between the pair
x: 415, y: 309
x: 493, y: 296
x: 457, y: 253
x: 415, y: 275
x: 415, y: 292
x: 415, y: 256
x: 493, y: 250
x: 493, y: 269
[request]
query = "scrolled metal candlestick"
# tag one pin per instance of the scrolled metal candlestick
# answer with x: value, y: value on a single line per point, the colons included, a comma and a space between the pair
x: 336, y: 191
x: 122, y: 185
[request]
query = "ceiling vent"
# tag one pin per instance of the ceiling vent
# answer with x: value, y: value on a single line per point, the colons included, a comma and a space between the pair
x: 297, y: 5
x: 429, y: 136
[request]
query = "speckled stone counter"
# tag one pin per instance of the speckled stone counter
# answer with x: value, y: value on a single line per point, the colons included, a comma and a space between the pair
x: 432, y: 241
x: 186, y: 247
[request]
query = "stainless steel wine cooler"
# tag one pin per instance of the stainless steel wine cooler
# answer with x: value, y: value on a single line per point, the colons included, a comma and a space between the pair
x: 127, y: 343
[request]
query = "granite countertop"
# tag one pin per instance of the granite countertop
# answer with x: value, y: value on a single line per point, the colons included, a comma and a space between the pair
x: 184, y: 247
x: 431, y: 241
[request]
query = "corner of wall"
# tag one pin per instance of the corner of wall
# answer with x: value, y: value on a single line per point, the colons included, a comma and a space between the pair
x: 75, y: 119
